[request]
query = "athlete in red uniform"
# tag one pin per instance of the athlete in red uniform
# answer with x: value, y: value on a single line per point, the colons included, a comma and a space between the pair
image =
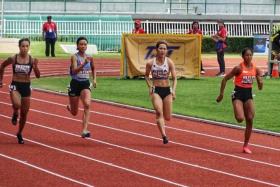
x: 20, y: 90
x: 242, y: 100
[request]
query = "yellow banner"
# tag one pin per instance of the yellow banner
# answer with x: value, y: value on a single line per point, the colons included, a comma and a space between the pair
x: 183, y: 49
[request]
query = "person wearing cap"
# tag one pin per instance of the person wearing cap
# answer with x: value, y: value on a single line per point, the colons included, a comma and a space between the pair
x: 137, y: 28
x: 220, y: 44
x: 50, y: 36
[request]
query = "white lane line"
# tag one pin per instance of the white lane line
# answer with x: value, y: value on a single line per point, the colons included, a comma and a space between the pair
x: 174, y: 128
x: 90, y: 158
x: 42, y: 169
x: 151, y: 137
x: 150, y: 154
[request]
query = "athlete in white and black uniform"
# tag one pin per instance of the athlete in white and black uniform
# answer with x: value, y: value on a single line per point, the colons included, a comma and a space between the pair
x: 20, y: 90
x: 159, y: 87
x: 81, y: 66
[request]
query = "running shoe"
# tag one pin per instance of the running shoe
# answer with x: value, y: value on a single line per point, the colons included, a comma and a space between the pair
x: 164, y: 139
x: 20, y: 139
x: 86, y: 134
x: 14, y: 118
x: 247, y: 150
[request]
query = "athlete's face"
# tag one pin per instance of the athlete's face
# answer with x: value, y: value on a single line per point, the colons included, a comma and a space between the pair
x: 162, y: 50
x: 82, y: 45
x: 24, y: 47
x: 247, y: 57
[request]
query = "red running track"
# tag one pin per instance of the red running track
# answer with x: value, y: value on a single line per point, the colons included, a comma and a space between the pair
x: 126, y: 149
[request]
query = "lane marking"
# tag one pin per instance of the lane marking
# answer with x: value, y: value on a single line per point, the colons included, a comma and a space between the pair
x: 90, y: 158
x: 154, y: 138
x: 152, y: 155
x: 150, y: 123
x: 42, y: 169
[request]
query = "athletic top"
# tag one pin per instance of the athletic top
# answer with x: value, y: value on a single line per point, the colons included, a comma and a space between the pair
x: 82, y: 75
x: 22, y: 69
x: 160, y: 72
x: 246, y: 78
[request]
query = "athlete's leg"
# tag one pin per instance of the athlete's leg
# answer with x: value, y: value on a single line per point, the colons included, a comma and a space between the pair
x: 25, y: 104
x: 158, y: 106
x: 238, y: 110
x: 86, y: 99
x: 167, y: 107
x: 73, y: 106
x: 249, y: 111
x: 16, y: 104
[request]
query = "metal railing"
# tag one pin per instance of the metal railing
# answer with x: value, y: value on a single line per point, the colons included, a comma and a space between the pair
x: 107, y: 34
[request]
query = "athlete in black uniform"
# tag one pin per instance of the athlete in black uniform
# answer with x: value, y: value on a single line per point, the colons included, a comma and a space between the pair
x: 20, y: 90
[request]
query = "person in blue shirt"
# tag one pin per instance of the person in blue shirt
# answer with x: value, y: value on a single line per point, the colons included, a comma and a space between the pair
x: 81, y: 65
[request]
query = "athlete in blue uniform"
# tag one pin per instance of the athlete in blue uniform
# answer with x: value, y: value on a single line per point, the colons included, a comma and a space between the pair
x: 81, y: 65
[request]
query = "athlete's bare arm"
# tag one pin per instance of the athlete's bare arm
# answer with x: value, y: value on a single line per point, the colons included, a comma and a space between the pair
x: 147, y: 74
x: 235, y: 71
x: 174, y: 78
x: 259, y: 79
x: 35, y: 68
x: 93, y: 71
x: 2, y: 69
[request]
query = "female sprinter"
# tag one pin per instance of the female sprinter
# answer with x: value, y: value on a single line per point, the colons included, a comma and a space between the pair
x: 242, y: 99
x: 20, y: 90
x: 159, y: 88
x: 81, y: 65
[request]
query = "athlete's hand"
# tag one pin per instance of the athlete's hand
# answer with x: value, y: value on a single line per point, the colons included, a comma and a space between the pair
x: 220, y: 98
x: 173, y: 95
x: 151, y: 90
x: 94, y: 84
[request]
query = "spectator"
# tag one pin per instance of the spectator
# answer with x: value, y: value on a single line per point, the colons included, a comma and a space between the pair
x: 137, y: 27
x: 50, y: 36
x: 195, y: 30
x: 220, y: 43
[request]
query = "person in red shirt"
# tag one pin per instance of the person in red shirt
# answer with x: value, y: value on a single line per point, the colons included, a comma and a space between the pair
x: 220, y: 43
x: 137, y: 28
x: 50, y: 36
x: 195, y: 30
x: 242, y: 99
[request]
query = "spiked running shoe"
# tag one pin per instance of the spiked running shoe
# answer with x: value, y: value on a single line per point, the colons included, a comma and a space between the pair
x: 247, y: 150
x: 14, y: 119
x: 86, y: 134
x: 20, y: 139
x: 164, y: 139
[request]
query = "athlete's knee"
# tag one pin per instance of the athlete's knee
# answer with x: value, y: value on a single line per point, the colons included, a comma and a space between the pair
x: 239, y: 119
x: 159, y: 114
x: 86, y: 106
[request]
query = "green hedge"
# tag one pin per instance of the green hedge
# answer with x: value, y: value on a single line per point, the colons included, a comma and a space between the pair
x: 235, y: 44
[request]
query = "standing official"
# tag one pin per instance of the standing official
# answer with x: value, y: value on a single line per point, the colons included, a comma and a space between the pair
x: 50, y: 36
